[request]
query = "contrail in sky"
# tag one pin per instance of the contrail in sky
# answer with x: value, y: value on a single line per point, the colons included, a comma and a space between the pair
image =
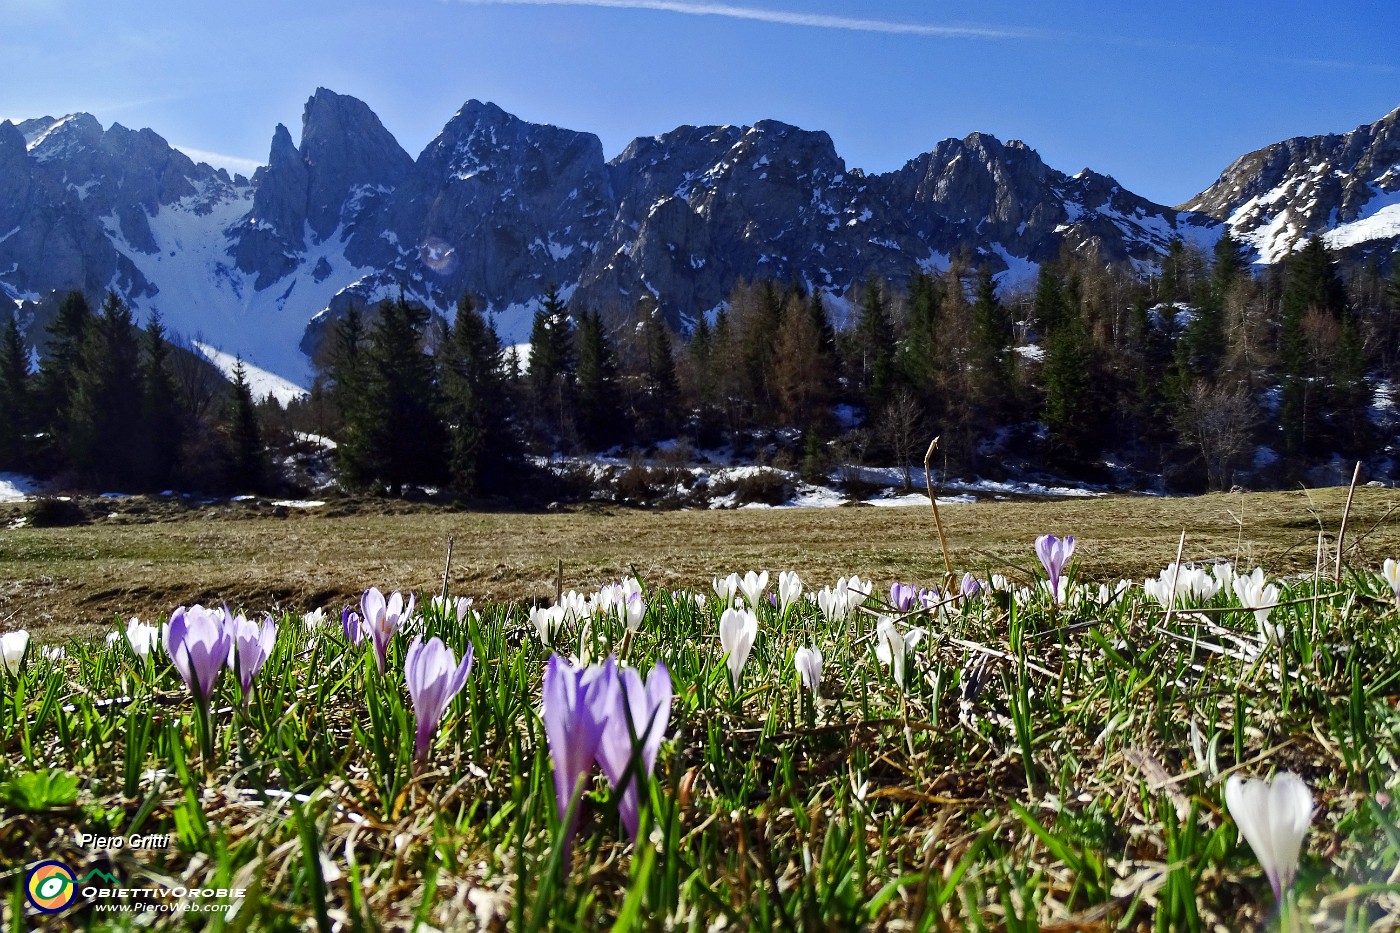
x: 782, y: 17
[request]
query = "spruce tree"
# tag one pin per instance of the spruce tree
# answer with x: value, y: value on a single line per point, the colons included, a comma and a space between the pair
x: 1314, y: 300
x: 246, y: 456
x: 919, y: 360
x: 876, y: 345
x: 16, y: 407
x: 1071, y: 413
x: 989, y: 355
x: 105, y: 407
x: 59, y: 366
x: 1052, y: 305
x: 404, y: 432
x: 484, y: 453
x: 162, y: 427
x: 552, y: 367
x: 1205, y: 336
x: 600, y: 420
x: 345, y: 381
x: 659, y: 404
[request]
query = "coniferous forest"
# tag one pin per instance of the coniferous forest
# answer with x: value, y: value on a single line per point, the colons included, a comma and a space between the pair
x: 1201, y: 375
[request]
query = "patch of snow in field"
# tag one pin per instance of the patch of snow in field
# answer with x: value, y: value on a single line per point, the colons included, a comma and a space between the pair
x: 299, y: 503
x: 919, y: 498
x: 260, y: 382
x: 15, y: 487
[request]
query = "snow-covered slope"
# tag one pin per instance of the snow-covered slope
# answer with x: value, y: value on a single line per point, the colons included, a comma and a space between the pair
x: 1345, y: 187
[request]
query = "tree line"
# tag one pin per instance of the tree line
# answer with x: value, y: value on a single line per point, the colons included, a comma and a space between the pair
x: 114, y: 405
x: 1199, y: 371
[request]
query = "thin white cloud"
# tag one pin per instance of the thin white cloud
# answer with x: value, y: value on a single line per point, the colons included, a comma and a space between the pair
x: 219, y: 160
x: 781, y: 17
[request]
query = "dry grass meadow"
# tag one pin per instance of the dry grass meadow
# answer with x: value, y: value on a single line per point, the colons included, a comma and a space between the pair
x: 144, y: 557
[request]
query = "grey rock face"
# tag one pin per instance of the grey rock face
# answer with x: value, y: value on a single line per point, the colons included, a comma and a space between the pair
x: 503, y: 209
x: 1277, y: 197
x: 337, y: 179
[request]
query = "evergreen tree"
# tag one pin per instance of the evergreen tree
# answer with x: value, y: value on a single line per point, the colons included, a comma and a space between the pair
x: 345, y: 382
x: 16, y: 407
x: 918, y: 362
x: 105, y: 406
x: 1205, y: 335
x: 65, y: 335
x: 162, y: 428
x: 405, y: 435
x: 484, y: 452
x: 659, y: 404
x: 876, y: 345
x: 988, y: 355
x: 247, y: 458
x: 552, y: 367
x: 1052, y: 305
x: 1314, y: 305
x: 1073, y: 414
x: 600, y: 419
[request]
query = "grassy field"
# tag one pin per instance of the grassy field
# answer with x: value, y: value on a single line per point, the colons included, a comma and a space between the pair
x: 143, y: 561
x: 1002, y: 761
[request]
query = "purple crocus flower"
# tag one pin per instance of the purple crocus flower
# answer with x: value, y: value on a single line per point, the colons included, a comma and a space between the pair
x: 353, y: 625
x: 382, y: 617
x: 198, y: 643
x: 632, y: 736
x: 971, y: 586
x: 1054, y: 554
x: 903, y: 596
x: 252, y: 644
x: 577, y: 703
x: 434, y: 678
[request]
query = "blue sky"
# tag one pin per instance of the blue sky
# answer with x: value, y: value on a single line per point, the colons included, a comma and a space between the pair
x: 1160, y: 95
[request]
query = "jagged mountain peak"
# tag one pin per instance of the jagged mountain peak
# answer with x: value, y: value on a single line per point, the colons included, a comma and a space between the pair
x: 1343, y: 186
x: 503, y: 208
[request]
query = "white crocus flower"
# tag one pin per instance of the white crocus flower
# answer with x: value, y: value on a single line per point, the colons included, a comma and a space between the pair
x: 789, y: 590
x: 1273, y: 817
x: 314, y: 619
x: 752, y: 586
x: 727, y: 589
x: 858, y: 589
x: 12, y: 648
x: 632, y: 610
x: 1390, y: 570
x: 53, y: 652
x: 141, y: 637
x: 808, y: 662
x: 737, y: 630
x: 1261, y: 599
x: 1225, y: 576
x: 891, y: 647
x: 835, y: 604
x: 547, y: 622
x: 1182, y: 585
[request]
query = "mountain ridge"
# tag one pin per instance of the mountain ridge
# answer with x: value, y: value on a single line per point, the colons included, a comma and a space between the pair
x: 504, y: 209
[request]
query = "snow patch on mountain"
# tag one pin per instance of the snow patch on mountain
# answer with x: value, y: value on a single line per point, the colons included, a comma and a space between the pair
x: 261, y: 383
x: 1381, y: 222
x: 204, y: 297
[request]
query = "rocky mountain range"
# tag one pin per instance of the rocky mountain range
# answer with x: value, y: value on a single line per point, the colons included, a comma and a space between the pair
x: 504, y: 209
